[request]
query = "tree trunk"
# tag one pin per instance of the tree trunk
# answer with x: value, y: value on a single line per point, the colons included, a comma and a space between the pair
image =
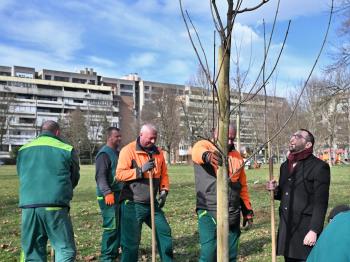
x: 169, y: 155
x: 222, y: 174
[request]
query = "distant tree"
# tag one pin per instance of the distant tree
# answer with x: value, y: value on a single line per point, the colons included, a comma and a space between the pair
x: 129, y: 120
x: 164, y: 113
x: 6, y: 101
x: 74, y: 130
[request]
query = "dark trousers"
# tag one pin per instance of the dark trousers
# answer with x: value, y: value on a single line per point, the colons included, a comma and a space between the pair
x: 110, y: 242
x: 288, y: 259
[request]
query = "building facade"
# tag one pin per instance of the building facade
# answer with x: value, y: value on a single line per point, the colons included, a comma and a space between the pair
x: 29, y: 97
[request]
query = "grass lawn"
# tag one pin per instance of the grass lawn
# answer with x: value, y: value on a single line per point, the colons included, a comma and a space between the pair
x: 180, y: 211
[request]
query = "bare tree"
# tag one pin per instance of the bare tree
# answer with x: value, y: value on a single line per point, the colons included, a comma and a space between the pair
x: 74, y: 130
x: 164, y: 113
x: 6, y: 101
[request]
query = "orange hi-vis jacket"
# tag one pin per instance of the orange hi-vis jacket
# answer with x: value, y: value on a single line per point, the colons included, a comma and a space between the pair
x: 205, y: 176
x: 131, y: 158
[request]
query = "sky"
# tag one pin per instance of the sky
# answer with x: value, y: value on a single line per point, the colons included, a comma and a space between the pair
x: 149, y: 37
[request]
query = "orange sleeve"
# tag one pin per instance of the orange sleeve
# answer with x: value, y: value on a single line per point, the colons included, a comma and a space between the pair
x: 244, y: 191
x: 124, y: 172
x: 164, y: 178
x: 236, y: 162
x: 199, y: 148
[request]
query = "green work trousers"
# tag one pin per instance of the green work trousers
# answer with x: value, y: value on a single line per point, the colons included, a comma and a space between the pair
x: 132, y: 217
x: 43, y: 223
x: 110, y: 242
x: 207, y: 238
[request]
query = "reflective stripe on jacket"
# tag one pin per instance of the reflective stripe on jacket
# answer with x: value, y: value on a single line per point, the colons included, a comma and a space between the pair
x: 47, y: 172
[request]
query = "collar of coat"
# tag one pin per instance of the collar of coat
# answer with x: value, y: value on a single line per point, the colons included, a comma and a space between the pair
x: 140, y: 149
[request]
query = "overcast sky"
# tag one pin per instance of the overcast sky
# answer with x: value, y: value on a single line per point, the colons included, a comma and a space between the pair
x: 148, y: 37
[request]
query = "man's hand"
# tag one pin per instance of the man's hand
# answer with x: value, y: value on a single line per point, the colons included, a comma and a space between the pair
x: 213, y: 158
x: 271, y: 185
x: 248, y: 220
x: 148, y: 165
x: 310, y: 238
x: 162, y: 198
x: 109, y: 199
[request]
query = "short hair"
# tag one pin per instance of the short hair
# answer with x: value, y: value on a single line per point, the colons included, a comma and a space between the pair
x: 110, y: 129
x: 310, y: 137
x: 148, y: 126
x: 50, y: 125
x: 338, y: 209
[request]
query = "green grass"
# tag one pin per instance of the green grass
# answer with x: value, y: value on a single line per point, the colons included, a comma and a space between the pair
x: 180, y: 211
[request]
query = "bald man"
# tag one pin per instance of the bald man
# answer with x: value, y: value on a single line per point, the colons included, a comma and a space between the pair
x: 137, y: 161
x: 48, y: 171
x: 206, y: 160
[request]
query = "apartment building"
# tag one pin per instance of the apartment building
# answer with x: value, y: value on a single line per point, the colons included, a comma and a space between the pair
x: 29, y: 97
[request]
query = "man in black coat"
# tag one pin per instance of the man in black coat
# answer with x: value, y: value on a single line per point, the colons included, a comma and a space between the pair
x: 303, y: 190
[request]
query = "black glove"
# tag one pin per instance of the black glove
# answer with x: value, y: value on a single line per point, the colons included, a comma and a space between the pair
x: 213, y: 158
x: 248, y: 219
x: 162, y: 198
x: 148, y: 165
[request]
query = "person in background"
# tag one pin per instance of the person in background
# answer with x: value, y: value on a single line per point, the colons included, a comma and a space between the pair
x: 108, y: 192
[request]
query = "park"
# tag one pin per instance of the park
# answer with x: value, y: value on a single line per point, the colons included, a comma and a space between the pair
x: 255, y: 244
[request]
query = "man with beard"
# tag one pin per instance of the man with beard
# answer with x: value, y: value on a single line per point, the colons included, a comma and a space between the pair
x: 206, y: 160
x: 303, y: 191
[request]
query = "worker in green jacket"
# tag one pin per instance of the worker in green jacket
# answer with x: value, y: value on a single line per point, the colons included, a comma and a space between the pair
x: 334, y: 241
x: 108, y: 191
x: 48, y: 171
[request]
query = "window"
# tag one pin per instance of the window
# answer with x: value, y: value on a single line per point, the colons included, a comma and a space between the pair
x: 79, y: 80
x: 47, y: 77
x: 23, y: 120
x: 61, y: 78
x: 126, y: 93
x: 79, y: 101
x: 47, y: 98
x: 125, y: 87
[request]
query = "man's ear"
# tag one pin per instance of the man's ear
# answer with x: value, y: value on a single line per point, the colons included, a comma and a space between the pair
x: 308, y: 145
x: 58, y: 132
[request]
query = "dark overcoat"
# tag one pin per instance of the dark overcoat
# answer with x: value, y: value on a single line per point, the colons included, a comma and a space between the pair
x: 304, y: 200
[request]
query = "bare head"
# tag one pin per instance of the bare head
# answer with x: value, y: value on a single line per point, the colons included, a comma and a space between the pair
x: 301, y: 140
x: 231, y: 134
x: 148, y: 135
x: 113, y: 137
x: 51, y: 126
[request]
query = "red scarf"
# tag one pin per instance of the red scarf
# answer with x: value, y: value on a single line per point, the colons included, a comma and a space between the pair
x: 295, y: 157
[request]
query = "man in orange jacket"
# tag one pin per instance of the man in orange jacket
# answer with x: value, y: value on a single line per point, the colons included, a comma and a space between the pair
x: 137, y: 161
x: 206, y: 159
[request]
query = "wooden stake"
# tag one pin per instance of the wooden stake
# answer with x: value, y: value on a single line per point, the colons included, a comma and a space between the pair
x: 153, y: 226
x: 272, y: 206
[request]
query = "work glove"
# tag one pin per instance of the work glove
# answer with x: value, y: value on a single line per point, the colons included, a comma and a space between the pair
x: 213, y: 158
x: 109, y: 199
x: 248, y: 219
x: 148, y: 165
x: 162, y: 198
